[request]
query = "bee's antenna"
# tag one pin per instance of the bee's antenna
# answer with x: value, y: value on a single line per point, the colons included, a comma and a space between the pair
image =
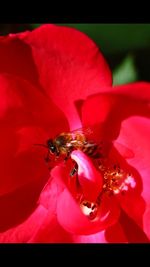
x: 40, y: 145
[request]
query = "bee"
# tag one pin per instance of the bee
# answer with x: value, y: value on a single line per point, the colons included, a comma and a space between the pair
x: 63, y: 144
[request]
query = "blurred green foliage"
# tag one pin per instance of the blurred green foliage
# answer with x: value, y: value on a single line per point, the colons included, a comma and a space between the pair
x: 126, y: 47
x: 126, y: 72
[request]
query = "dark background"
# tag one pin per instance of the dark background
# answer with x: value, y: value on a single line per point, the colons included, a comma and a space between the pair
x: 126, y: 47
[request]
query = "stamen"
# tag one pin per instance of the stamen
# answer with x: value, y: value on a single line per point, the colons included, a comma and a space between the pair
x: 90, y: 209
x: 116, y: 179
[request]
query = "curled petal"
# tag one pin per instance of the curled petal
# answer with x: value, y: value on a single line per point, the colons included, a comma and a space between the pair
x: 74, y: 221
x: 71, y: 216
x: 89, y: 177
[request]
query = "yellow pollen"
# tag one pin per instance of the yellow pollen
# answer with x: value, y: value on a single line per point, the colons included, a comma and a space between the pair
x: 115, y: 178
x: 89, y: 209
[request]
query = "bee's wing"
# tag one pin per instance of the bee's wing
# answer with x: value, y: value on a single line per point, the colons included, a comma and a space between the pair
x: 93, y: 140
x: 87, y: 133
x: 102, y: 145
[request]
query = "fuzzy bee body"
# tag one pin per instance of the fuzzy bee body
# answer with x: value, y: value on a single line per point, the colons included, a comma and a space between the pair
x: 65, y: 143
x: 62, y: 145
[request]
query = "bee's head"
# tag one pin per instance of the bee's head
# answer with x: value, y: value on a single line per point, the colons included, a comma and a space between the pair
x: 51, y: 146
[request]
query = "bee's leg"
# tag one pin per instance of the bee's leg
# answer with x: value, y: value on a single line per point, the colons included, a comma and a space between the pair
x: 47, y: 158
x: 67, y: 155
x: 74, y: 170
x: 66, y: 158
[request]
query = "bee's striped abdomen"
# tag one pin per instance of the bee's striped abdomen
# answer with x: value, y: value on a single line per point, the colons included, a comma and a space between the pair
x: 91, y: 150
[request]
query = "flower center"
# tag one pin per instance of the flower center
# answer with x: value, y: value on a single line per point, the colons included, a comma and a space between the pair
x: 96, y: 180
x: 116, y: 180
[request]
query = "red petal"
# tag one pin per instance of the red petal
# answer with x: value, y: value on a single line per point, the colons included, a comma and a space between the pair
x: 138, y: 90
x: 50, y: 193
x: 94, y: 238
x: 96, y: 108
x: 135, y: 133
x: 31, y: 104
x: 71, y: 217
x: 73, y: 220
x: 25, y: 120
x: 51, y: 232
x: 95, y: 113
x: 146, y: 220
x: 115, y: 234
x: 130, y: 106
x: 16, y: 206
x: 133, y: 232
x: 16, y: 58
x: 69, y: 65
x: 24, y: 232
x: 89, y: 178
x: 109, y: 110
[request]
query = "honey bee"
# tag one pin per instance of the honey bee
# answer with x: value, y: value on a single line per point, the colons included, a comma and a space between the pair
x: 63, y: 144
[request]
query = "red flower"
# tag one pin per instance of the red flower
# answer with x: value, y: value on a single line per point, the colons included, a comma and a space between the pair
x: 54, y: 80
